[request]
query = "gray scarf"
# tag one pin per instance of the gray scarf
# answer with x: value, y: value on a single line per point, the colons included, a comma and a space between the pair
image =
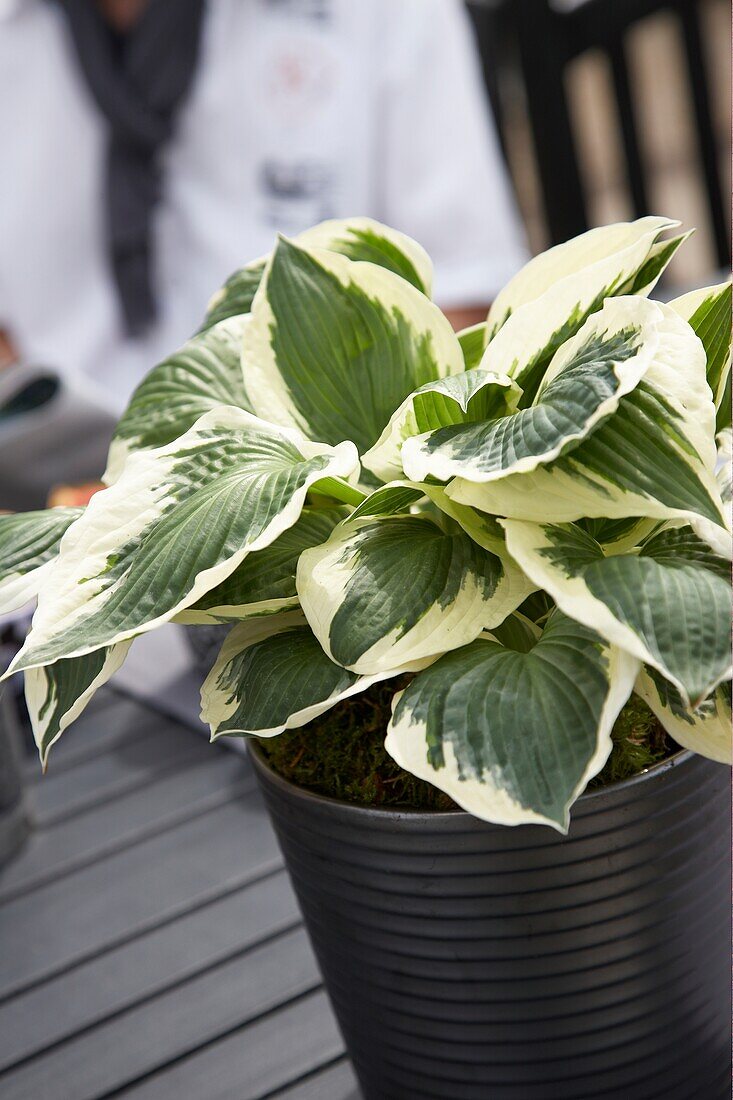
x: 138, y: 81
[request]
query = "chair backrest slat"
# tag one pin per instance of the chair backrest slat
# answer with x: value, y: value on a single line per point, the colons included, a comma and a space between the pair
x: 543, y: 39
x: 690, y: 18
x: 629, y: 133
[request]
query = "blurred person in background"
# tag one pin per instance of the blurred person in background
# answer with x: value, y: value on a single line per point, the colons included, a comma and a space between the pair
x: 153, y: 146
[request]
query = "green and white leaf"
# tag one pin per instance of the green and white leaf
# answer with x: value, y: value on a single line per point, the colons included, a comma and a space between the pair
x: 530, y: 336
x: 29, y: 542
x: 586, y: 380
x: 178, y: 522
x: 385, y: 592
x: 235, y: 298
x: 705, y: 730
x: 267, y: 680
x: 620, y: 535
x: 395, y: 498
x: 514, y: 735
x: 654, y: 457
x: 265, y: 581
x: 336, y: 345
x: 615, y: 252
x: 483, y: 529
x: 708, y: 312
x: 468, y: 398
x: 473, y: 342
x: 660, y: 255
x: 203, y: 375
x: 356, y: 238
x: 668, y: 605
x: 724, y: 470
x: 372, y: 242
x: 407, y: 497
x: 58, y: 693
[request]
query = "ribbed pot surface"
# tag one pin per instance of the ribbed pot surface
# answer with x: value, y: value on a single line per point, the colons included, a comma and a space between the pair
x: 14, y: 824
x: 468, y: 961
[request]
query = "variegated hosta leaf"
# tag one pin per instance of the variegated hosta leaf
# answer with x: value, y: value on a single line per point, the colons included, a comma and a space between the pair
x: 57, y: 694
x: 28, y: 544
x: 474, y: 396
x: 396, y: 498
x: 668, y: 605
x: 724, y: 471
x: 483, y: 529
x: 371, y: 241
x: 473, y: 344
x: 585, y: 382
x: 708, y: 312
x: 404, y: 497
x: 389, y: 591
x: 514, y: 735
x: 705, y: 730
x: 619, y: 535
x: 335, y: 345
x: 236, y: 296
x: 570, y: 259
x: 179, y: 521
x: 272, y: 677
x: 654, y: 457
x: 265, y: 581
x: 203, y: 375
x: 724, y: 416
x: 660, y: 255
x: 356, y: 238
x: 549, y: 300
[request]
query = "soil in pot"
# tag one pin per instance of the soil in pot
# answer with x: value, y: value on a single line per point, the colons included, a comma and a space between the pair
x: 342, y: 755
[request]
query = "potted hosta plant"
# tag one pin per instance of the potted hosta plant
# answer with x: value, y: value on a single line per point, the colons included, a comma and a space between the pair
x: 473, y: 581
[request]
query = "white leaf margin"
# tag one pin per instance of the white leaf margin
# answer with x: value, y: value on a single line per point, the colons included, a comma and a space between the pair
x: 266, y: 387
x: 405, y: 743
x: 134, y: 500
x: 37, y: 686
x: 525, y: 542
x: 214, y: 710
x: 707, y: 735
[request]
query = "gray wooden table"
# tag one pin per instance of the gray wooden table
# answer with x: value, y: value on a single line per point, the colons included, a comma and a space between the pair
x: 150, y: 944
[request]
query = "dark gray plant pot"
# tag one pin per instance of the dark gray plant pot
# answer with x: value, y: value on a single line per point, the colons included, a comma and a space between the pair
x: 14, y: 823
x: 467, y: 961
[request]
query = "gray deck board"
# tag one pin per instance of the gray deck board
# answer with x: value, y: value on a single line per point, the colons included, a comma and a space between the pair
x: 152, y: 963
x: 335, y: 1082
x: 150, y: 942
x: 155, y: 751
x: 167, y: 1027
x: 95, y: 908
x: 149, y: 811
x: 253, y: 1061
x: 110, y: 719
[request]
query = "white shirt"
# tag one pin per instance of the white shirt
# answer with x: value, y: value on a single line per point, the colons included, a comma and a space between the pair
x: 300, y: 110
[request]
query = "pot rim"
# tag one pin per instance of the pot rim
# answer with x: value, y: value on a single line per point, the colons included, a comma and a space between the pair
x: 261, y: 764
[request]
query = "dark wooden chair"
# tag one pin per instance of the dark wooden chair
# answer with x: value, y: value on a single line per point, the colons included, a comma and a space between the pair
x: 538, y: 41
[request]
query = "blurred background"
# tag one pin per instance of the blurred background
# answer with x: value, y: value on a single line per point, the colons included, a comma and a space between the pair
x: 611, y: 109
